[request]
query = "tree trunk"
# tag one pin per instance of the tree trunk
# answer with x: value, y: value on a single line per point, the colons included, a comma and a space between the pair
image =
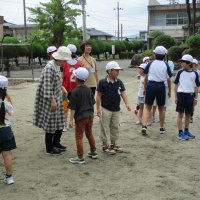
x: 7, y: 67
x: 189, y: 16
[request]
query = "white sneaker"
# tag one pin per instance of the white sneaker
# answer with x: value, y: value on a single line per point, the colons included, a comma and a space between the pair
x: 8, y: 180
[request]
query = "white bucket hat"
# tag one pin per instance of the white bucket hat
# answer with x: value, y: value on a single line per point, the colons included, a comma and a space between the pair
x: 63, y: 53
x: 81, y: 73
x: 142, y: 66
x: 3, y: 82
x: 195, y: 61
x: 72, y: 48
x: 51, y: 49
x: 187, y: 57
x: 113, y: 65
x: 145, y: 58
x: 160, y: 50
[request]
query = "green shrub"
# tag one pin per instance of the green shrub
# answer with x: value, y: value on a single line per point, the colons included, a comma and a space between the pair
x: 164, y: 40
x: 175, y: 53
x: 126, y: 55
x: 194, y: 42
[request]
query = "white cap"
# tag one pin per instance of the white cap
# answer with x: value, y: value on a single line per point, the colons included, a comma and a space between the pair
x: 143, y: 66
x: 113, y: 65
x: 72, y: 48
x: 187, y: 57
x: 195, y: 61
x: 160, y: 50
x: 145, y: 58
x: 3, y: 82
x: 63, y: 53
x: 51, y: 49
x: 81, y: 73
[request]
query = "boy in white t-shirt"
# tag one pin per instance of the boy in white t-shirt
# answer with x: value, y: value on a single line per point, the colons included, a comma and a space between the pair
x: 186, y: 91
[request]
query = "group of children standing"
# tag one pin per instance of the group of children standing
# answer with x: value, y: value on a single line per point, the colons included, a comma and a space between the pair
x: 155, y: 85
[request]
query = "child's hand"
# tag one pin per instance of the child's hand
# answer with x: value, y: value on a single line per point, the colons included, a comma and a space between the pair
x: 99, y: 113
x: 53, y: 105
x: 71, y: 124
x: 128, y: 107
x: 195, y: 102
x: 175, y: 100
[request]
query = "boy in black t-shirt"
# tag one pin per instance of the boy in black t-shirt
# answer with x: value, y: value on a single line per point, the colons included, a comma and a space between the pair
x: 109, y: 93
x: 81, y: 105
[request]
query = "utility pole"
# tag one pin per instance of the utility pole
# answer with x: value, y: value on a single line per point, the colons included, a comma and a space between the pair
x: 25, y: 28
x: 118, y: 9
x: 121, y: 32
x: 83, y: 3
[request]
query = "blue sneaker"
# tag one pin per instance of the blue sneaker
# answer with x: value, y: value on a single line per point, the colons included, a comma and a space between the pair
x: 182, y: 136
x: 77, y: 160
x: 189, y: 134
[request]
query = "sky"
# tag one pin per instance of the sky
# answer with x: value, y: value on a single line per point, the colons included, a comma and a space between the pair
x: 101, y: 14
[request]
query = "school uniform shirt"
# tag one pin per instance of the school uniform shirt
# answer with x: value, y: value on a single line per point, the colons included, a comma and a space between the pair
x: 49, y: 88
x: 9, y: 112
x: 110, y: 93
x: 141, y: 87
x: 187, y: 81
x: 69, y: 81
x: 82, y: 101
x: 158, y: 71
x: 90, y: 64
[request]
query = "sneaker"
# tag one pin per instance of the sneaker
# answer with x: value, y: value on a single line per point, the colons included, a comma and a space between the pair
x: 8, y: 180
x: 189, y: 134
x: 162, y: 130
x: 108, y: 150
x: 153, y: 119
x: 60, y: 147
x: 117, y: 148
x: 182, y: 136
x: 144, y: 130
x: 54, y: 152
x: 77, y: 160
x: 92, y: 155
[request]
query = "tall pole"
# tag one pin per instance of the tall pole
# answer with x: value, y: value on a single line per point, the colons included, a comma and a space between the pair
x: 83, y: 3
x: 121, y: 32
x: 25, y: 28
x: 118, y: 9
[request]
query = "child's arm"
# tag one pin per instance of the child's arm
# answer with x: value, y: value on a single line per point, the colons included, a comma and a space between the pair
x: 196, y: 95
x: 175, y: 92
x: 169, y: 86
x: 98, y: 103
x: 72, y: 112
x: 125, y: 99
x: 9, y: 99
x: 145, y: 83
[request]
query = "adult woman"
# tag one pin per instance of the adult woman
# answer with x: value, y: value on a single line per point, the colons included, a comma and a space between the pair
x: 48, y: 110
x: 90, y: 64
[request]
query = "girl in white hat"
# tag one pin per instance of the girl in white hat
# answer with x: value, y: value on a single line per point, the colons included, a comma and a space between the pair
x: 7, y: 139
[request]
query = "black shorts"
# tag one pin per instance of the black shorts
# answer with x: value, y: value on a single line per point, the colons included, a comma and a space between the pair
x: 7, y: 139
x: 185, y: 102
x: 155, y: 90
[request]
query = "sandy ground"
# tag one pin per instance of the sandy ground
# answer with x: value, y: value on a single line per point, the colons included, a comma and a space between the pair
x: 151, y: 168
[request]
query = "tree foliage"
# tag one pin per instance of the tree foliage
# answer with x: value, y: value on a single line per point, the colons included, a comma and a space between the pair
x: 194, y: 42
x: 175, y: 53
x: 56, y: 19
x: 164, y: 40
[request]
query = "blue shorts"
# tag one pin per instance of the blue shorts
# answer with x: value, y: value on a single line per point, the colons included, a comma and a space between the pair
x: 7, y: 139
x: 185, y: 102
x: 155, y: 90
x: 140, y: 100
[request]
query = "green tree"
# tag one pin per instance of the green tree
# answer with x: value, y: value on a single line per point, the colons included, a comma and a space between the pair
x: 194, y: 42
x: 56, y: 19
x: 164, y: 40
x: 175, y: 53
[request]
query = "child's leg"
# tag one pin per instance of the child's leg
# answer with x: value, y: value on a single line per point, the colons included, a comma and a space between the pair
x: 7, y: 156
x: 105, y: 125
x: 161, y: 115
x: 179, y: 121
x: 146, y: 114
x: 187, y: 120
x: 79, y: 130
x: 114, y: 127
x: 89, y: 135
x: 141, y: 112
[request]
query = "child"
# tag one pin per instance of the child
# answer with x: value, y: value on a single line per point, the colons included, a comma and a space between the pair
x: 81, y: 105
x: 50, y: 51
x: 157, y: 73
x: 109, y: 93
x: 186, y: 91
x: 69, y: 81
x: 141, y: 93
x: 7, y: 139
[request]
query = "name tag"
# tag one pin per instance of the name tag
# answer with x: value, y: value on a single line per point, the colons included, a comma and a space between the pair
x: 92, y: 70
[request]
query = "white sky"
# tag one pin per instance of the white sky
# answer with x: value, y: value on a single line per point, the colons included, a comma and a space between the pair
x: 102, y: 15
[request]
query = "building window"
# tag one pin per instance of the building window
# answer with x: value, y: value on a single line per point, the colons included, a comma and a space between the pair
x: 160, y: 20
x: 171, y: 19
